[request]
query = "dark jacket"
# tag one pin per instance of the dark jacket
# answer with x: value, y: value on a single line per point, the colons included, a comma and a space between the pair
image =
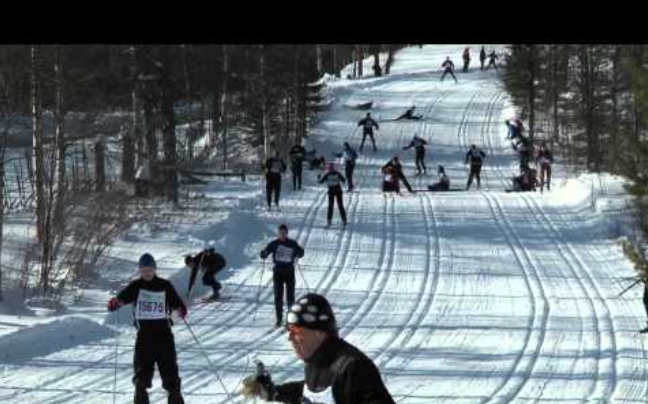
x: 333, y: 180
x: 337, y: 373
x: 476, y: 157
x: 283, y: 253
x: 418, y: 143
x: 482, y: 54
x: 368, y: 124
x: 275, y: 166
x: 544, y: 157
x: 208, y: 260
x: 297, y: 155
x: 350, y: 156
x: 154, y: 290
x: 448, y: 65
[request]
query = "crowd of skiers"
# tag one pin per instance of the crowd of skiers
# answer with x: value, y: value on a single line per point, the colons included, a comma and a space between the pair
x: 449, y: 67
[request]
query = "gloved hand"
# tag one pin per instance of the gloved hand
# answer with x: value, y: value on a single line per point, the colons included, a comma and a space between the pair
x: 114, y: 304
x: 182, y: 312
x: 259, y: 386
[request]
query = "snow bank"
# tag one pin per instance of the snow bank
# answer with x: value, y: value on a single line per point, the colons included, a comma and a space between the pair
x: 44, y: 339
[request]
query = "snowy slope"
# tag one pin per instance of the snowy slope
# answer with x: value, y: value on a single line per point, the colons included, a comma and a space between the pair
x: 471, y: 297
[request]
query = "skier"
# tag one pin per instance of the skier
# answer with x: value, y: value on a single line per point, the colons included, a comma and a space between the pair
x: 419, y: 147
x: 393, y: 171
x: 491, y: 60
x: 142, y: 178
x: 526, y: 181
x: 466, y: 59
x: 274, y: 168
x: 409, y: 114
x: 153, y: 299
x: 334, y: 180
x: 476, y: 158
x: 544, y: 161
x: 210, y: 262
x: 482, y: 57
x: 448, y: 67
x: 443, y: 184
x: 297, y: 155
x: 645, y: 302
x: 350, y: 156
x: 515, y: 131
x: 284, y: 253
x: 368, y: 124
x: 335, y: 371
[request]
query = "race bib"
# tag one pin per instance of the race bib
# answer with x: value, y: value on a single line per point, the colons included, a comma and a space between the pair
x: 388, y: 177
x: 323, y: 397
x: 275, y: 167
x: 150, y: 305
x: 332, y: 180
x: 368, y: 125
x: 283, y: 254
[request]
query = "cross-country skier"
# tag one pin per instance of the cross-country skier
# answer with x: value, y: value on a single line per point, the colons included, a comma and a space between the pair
x: 297, y: 155
x: 210, y: 262
x: 409, y: 114
x: 153, y: 299
x: 418, y: 144
x: 368, y: 124
x: 645, y: 303
x: 284, y: 253
x: 143, y: 179
x: 335, y: 371
x: 448, y: 67
x: 544, y: 161
x: 466, y: 59
x: 334, y: 180
x: 393, y: 174
x: 476, y: 158
x: 492, y: 57
x: 482, y: 57
x: 526, y: 181
x: 443, y: 184
x: 515, y: 131
x: 274, y: 167
x: 350, y: 156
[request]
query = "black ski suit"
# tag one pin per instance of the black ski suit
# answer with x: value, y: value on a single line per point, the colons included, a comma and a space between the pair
x: 476, y: 158
x: 152, y: 303
x: 350, y: 157
x: 419, y: 147
x: 448, y: 67
x: 545, y: 160
x: 337, y: 373
x: 393, y: 174
x: 367, y: 130
x: 334, y: 180
x: 284, y: 254
x: 482, y: 58
x: 466, y: 60
x: 275, y: 167
x: 492, y: 57
x: 210, y: 262
x: 409, y: 114
x: 297, y: 155
x: 443, y: 184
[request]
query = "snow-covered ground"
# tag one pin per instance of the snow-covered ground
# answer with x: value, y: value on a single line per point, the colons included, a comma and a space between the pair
x: 467, y: 297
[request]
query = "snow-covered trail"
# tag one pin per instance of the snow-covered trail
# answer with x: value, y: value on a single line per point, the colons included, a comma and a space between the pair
x: 468, y: 297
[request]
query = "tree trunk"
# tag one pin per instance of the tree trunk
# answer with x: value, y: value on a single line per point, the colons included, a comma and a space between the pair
x: 133, y: 135
x: 360, y: 56
x: 390, y: 58
x: 264, y: 100
x: 37, y: 140
x: 100, y: 171
x: 2, y: 191
x: 532, y: 95
x: 168, y: 126
x: 336, y: 70
x: 60, y: 112
x: 318, y: 57
x: 376, y: 66
x: 223, y: 104
x: 613, y: 141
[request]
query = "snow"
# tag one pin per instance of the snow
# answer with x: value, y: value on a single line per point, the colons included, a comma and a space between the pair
x: 466, y: 297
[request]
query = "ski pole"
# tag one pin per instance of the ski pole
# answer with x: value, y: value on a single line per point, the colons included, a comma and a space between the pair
x: 114, y: 392
x: 258, y: 296
x: 209, y: 362
x: 303, y: 277
x: 630, y: 287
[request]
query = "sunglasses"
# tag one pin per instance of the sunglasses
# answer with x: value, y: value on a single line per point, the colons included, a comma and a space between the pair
x: 296, y: 329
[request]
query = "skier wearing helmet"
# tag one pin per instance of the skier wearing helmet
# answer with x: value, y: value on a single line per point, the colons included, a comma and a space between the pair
x: 334, y: 180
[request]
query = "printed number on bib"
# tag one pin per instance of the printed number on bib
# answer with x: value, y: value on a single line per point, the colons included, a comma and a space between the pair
x: 150, y: 305
x: 323, y: 397
x: 283, y: 254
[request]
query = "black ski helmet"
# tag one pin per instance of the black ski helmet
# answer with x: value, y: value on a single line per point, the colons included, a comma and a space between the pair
x: 314, y: 312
